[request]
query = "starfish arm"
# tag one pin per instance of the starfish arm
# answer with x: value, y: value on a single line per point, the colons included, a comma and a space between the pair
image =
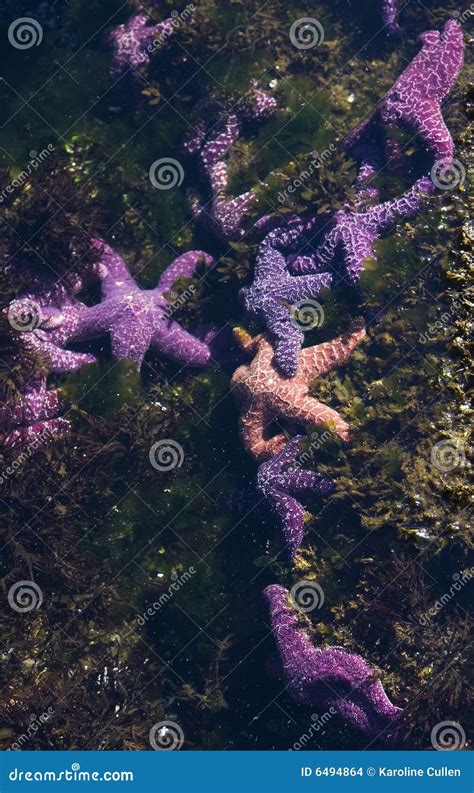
x: 389, y: 10
x: 305, y: 286
x: 450, y: 55
x: 382, y: 217
x: 357, y: 245
x: 308, y: 410
x: 287, y: 455
x: 254, y: 432
x: 320, y: 359
x: 297, y: 482
x: 37, y: 435
x: 216, y: 148
x: 61, y: 361
x: 179, y: 345
x: 117, y: 278
x: 183, y: 267
x: 94, y: 321
x: 229, y: 213
x: 291, y: 515
x: 433, y: 132
x: 287, y: 340
x: 326, y: 250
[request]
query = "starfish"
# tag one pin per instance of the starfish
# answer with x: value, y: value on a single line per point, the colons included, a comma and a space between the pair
x: 279, y: 485
x: 135, y: 318
x: 327, y: 677
x: 389, y: 9
x: 353, y: 234
x: 135, y: 41
x: 224, y: 217
x: 31, y: 422
x: 273, y: 292
x: 413, y: 103
x: 264, y: 395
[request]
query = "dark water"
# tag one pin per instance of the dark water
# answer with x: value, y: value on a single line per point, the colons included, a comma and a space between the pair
x: 105, y: 534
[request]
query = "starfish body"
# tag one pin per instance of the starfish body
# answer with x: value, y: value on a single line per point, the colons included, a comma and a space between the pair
x: 264, y: 395
x: 273, y: 292
x: 135, y: 319
x: 414, y: 101
x: 221, y: 215
x: 353, y: 234
x: 327, y: 677
x: 134, y: 42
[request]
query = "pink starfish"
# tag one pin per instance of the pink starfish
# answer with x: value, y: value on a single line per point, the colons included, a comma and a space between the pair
x: 264, y: 395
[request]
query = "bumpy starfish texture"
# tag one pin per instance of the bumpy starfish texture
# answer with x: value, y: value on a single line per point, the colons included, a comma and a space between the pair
x: 274, y: 291
x: 414, y: 101
x: 327, y: 677
x: 352, y: 234
x: 136, y: 319
x: 264, y: 395
x: 280, y: 484
x: 389, y: 9
x: 134, y: 42
x: 221, y: 215
x: 31, y: 422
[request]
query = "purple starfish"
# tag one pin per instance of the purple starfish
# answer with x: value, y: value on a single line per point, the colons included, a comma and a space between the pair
x: 329, y: 677
x: 279, y: 485
x: 31, y: 422
x: 352, y: 234
x: 136, y: 319
x: 135, y: 41
x: 389, y: 10
x: 274, y: 290
x: 413, y: 103
x: 224, y: 216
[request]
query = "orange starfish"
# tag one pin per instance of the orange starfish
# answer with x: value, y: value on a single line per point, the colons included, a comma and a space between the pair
x: 263, y: 394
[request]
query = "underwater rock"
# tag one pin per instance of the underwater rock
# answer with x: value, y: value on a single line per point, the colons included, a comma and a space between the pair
x: 414, y: 101
x: 224, y: 215
x: 264, y: 395
x: 327, y: 677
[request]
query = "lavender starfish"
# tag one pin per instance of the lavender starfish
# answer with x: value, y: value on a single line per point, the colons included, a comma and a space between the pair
x: 274, y: 290
x: 413, y: 103
x: 135, y: 41
x: 31, y: 422
x: 353, y: 234
x: 389, y: 9
x: 329, y: 677
x: 279, y: 484
x: 136, y: 319
x: 224, y: 216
